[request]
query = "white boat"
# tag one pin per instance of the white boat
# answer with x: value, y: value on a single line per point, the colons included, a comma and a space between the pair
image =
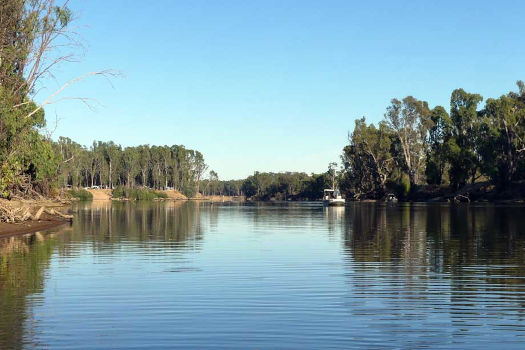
x: 333, y: 197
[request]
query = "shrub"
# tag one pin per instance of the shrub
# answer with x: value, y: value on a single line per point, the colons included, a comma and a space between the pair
x: 81, y: 194
x: 119, y: 192
x: 137, y: 193
x: 189, y: 191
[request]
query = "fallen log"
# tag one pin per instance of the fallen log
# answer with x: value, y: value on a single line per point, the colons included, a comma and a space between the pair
x: 11, y: 214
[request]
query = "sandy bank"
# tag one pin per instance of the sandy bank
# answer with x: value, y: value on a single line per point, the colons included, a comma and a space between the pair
x: 100, y: 194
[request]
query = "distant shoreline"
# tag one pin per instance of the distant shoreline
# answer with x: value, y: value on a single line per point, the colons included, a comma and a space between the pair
x: 171, y: 195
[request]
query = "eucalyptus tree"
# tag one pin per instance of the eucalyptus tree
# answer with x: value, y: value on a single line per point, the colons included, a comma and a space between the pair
x: 439, y: 136
x: 70, y: 166
x: 358, y: 175
x: 144, y: 159
x: 197, y: 166
x: 376, y: 144
x: 35, y: 37
x: 410, y: 122
x: 463, y: 147
x: 130, y: 166
x: 97, y: 163
x: 503, y: 149
x: 111, y: 153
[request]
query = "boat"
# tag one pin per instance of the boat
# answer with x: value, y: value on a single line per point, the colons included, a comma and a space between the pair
x: 391, y: 198
x: 332, y: 197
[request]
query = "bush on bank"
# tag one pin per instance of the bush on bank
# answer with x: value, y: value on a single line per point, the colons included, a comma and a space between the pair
x: 81, y: 194
x: 132, y: 193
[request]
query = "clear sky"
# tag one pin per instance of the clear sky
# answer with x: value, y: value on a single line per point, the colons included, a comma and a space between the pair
x: 276, y: 85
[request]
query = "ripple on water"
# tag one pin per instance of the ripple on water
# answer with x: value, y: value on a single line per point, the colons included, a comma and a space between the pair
x: 270, y: 276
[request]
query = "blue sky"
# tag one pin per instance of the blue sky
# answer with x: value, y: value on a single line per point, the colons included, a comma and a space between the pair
x: 277, y: 85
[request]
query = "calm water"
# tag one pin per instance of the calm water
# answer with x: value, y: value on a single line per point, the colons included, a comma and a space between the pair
x: 298, y: 276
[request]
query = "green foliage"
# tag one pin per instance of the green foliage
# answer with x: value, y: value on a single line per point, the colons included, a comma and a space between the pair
x: 409, y: 119
x: 417, y: 143
x: 285, y: 186
x: 465, y: 131
x: 502, y: 137
x: 28, y: 30
x: 106, y: 164
x: 138, y: 193
x: 189, y: 191
x: 23, y: 150
x: 438, y: 150
x: 368, y: 161
x: 81, y: 194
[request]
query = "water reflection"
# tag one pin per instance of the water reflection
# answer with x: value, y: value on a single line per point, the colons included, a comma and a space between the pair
x: 100, y: 226
x: 453, y: 270
x: 289, y: 275
x: 112, y: 222
x: 23, y: 262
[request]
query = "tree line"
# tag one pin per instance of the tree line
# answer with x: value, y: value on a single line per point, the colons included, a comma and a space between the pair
x: 270, y: 186
x: 35, y: 38
x: 108, y: 165
x: 415, y: 145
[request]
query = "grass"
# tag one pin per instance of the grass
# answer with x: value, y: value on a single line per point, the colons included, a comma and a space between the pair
x: 81, y: 194
x: 137, y: 193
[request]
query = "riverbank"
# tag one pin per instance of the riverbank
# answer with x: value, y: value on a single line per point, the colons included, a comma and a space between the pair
x: 106, y: 194
x: 477, y: 192
x: 28, y: 216
x: 21, y: 228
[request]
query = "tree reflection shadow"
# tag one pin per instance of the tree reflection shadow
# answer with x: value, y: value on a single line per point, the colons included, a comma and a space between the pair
x: 431, y: 259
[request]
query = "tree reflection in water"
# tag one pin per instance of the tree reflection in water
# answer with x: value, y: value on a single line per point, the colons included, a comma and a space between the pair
x: 437, y: 263
x: 25, y: 259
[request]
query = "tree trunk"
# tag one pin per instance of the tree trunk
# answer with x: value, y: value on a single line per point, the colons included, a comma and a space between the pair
x: 412, y: 177
x: 110, y: 179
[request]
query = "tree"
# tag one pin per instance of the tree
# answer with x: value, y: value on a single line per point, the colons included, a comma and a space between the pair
x: 409, y: 119
x: 111, y: 154
x: 213, y: 182
x: 144, y: 158
x: 35, y: 36
x: 504, y: 147
x: 130, y: 165
x: 376, y: 144
x: 197, y: 167
x: 438, y: 142
x: 463, y: 144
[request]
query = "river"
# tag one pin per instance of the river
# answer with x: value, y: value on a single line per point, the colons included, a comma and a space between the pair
x: 188, y: 275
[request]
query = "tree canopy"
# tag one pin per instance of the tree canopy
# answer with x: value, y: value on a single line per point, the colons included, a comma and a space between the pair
x: 415, y: 146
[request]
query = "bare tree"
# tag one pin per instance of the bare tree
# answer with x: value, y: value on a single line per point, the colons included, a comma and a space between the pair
x: 35, y: 37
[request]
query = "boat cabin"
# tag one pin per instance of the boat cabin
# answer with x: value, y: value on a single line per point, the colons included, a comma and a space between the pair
x: 333, y: 197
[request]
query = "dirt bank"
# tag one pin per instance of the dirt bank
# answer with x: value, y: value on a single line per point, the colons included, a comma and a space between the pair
x: 105, y: 195
x: 174, y: 194
x: 100, y: 195
x: 27, y: 216
x: 7, y: 229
